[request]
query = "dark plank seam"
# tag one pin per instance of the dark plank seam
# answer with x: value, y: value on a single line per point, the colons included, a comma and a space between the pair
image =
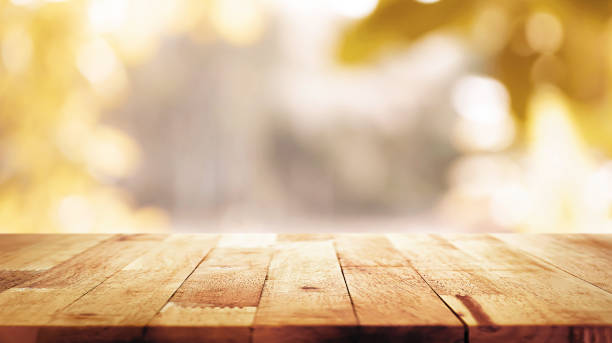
x: 252, y: 326
x: 76, y: 255
x: 593, y: 239
x: 96, y: 286
x: 43, y: 271
x: 466, y: 333
x: 346, y: 284
x: 146, y: 326
x: 547, y: 262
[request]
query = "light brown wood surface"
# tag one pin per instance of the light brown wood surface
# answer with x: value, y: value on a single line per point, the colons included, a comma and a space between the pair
x: 588, y: 257
x: 305, y: 288
x: 503, y: 294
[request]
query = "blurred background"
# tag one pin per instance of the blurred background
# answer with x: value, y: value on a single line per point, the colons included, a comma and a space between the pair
x: 320, y: 115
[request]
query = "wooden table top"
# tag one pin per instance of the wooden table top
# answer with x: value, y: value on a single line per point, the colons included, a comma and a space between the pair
x: 305, y: 288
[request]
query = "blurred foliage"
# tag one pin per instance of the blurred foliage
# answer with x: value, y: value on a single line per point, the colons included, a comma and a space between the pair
x: 62, y: 65
x: 58, y: 163
x: 522, y: 43
x: 65, y: 63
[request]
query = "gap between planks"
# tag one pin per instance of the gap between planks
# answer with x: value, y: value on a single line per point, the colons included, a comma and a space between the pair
x: 472, y: 270
x: 146, y: 326
x: 252, y: 327
x: 75, y: 255
x: 358, y: 325
x: 345, y: 283
x: 342, y: 268
x: 545, y: 260
x: 390, y: 292
x: 101, y: 282
x: 334, y: 239
x: 466, y: 328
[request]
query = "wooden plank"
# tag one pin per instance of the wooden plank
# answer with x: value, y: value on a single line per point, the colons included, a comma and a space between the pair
x: 588, y: 257
x: 48, y: 251
x: 222, y: 287
x: 176, y: 323
x: 586, y: 309
x: 12, y: 242
x: 144, y: 286
x: 217, y: 303
x: 11, y: 278
x: 360, y: 250
x: 24, y: 259
x: 21, y: 256
x: 69, y: 288
x: 32, y: 304
x: 95, y: 265
x: 304, y: 298
x: 12, y: 245
x: 254, y: 258
x: 392, y: 302
x: 510, y: 296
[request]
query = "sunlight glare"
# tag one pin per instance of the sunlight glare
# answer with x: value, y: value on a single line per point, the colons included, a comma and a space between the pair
x: 96, y: 60
x: 16, y: 50
x: 238, y: 21
x: 107, y: 15
x: 481, y: 99
x: 354, y: 8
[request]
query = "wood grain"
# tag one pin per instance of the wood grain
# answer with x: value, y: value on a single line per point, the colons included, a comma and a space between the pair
x: 41, y: 252
x: 304, y: 298
x: 503, y: 294
x: 218, y: 301
x: 145, y: 285
x: 305, y: 288
x: 588, y: 257
x: 394, y: 304
x: 12, y: 278
x: 361, y: 250
x: 12, y: 242
x: 392, y: 301
x: 33, y: 303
